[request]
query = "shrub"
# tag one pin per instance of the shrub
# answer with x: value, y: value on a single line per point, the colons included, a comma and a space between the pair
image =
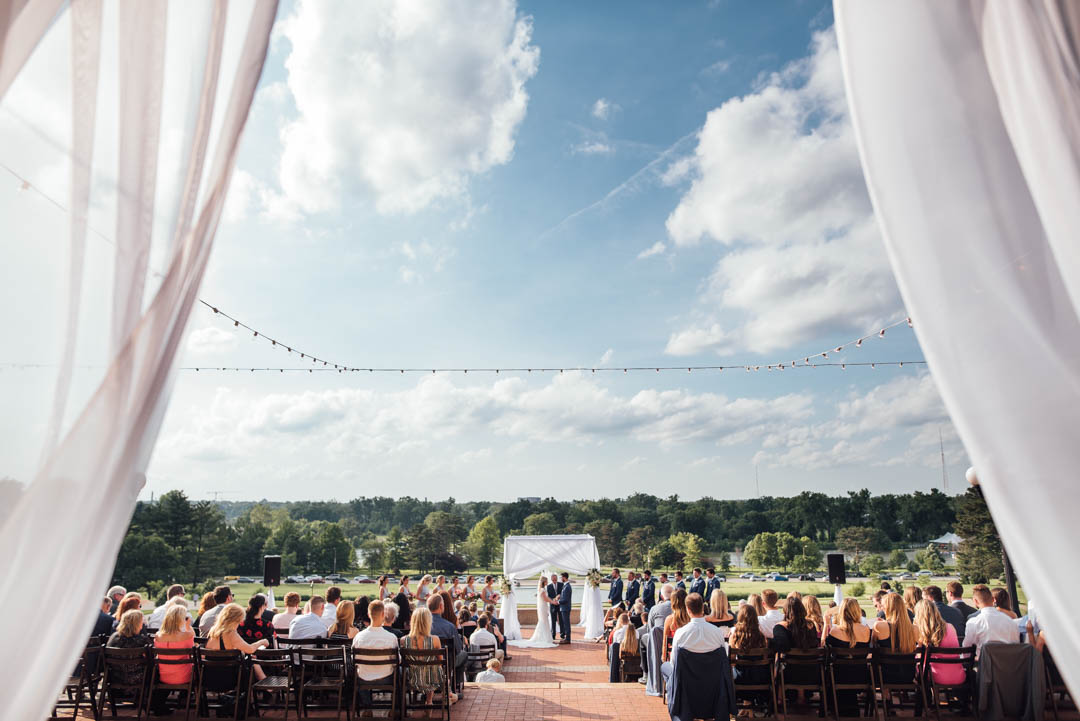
x: 856, y: 590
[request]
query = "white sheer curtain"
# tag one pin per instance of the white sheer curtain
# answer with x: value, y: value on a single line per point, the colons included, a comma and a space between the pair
x: 967, y: 116
x: 63, y: 533
x: 524, y: 556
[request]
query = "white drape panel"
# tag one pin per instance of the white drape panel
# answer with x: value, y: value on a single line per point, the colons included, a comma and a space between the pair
x: 66, y: 527
x: 527, y: 555
x: 508, y: 612
x: 592, y: 612
x: 966, y: 118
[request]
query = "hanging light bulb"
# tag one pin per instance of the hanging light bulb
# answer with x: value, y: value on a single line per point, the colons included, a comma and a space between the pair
x: 839, y: 348
x: 235, y: 323
x: 824, y: 355
x: 858, y: 343
x: 872, y: 366
x: 909, y: 323
x: 843, y: 366
x: 256, y: 334
x: 215, y: 309
x: 881, y: 333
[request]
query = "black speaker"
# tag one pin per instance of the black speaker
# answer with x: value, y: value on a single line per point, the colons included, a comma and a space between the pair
x: 837, y: 572
x: 271, y: 571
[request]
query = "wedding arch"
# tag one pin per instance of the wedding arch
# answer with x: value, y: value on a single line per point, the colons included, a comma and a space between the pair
x: 525, y: 556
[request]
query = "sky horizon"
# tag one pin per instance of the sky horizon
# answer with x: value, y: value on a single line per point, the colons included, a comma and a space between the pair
x: 516, y: 184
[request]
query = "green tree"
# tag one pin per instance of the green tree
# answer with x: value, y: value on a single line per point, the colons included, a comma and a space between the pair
x: 689, y: 547
x: 395, y: 549
x: 144, y: 559
x: 723, y: 562
x: 930, y: 559
x: 665, y: 555
x: 608, y: 537
x: 332, y: 549
x: 447, y: 530
x: 421, y: 547
x: 540, y: 524
x: 872, y: 564
x: 206, y: 550
x: 897, y: 559
x: 913, y: 566
x: 638, y: 546
x: 762, y: 551
x: 978, y: 558
x: 859, y: 539
x: 484, y: 541
x: 808, y: 558
x: 373, y: 551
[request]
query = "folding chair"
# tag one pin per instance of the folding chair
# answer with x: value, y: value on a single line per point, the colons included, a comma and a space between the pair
x: 477, y: 661
x: 119, y: 663
x: 667, y: 654
x: 322, y: 671
x: 377, y: 657
x: 629, y: 668
x: 220, y: 673
x: 898, y: 673
x: 963, y: 692
x: 852, y: 666
x: 754, y: 674
x: 413, y: 658
x: 172, y: 657
x: 1055, y: 684
x: 277, y: 664
x: 84, y: 680
x: 795, y: 668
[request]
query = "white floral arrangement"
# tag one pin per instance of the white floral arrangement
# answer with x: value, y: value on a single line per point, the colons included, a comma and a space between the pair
x: 505, y: 589
x: 594, y: 577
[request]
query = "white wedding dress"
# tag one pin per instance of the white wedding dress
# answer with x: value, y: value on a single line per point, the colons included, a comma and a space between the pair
x: 541, y: 637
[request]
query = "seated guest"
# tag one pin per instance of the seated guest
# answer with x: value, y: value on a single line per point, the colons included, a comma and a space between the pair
x: 103, y: 626
x: 493, y: 626
x: 360, y: 608
x: 754, y: 599
x: 621, y: 647
x: 491, y: 675
x: 175, y: 591
x: 345, y: 625
x: 746, y: 634
x: 886, y: 587
x: 333, y: 598
x: 482, y: 637
x: 223, y: 636
x: 1003, y: 602
x: 696, y: 636
x: 849, y: 631
x: 466, y: 623
x: 949, y: 614
x: 129, y: 634
x: 679, y: 617
x: 130, y: 601
x: 896, y: 633
x: 222, y: 597
x: 282, y: 620
x: 813, y: 613
x: 932, y: 630
x: 912, y: 595
x: 955, y: 594
x: 258, y: 621
x: 773, y: 615
x: 404, y: 612
x: 611, y: 614
x: 795, y: 630
x: 638, y: 613
x: 374, y: 638
x: 205, y: 604
x: 390, y: 614
x: 423, y: 679
x: 473, y: 610
x: 989, y: 623
x: 719, y: 609
x: 310, y: 625
x: 447, y: 633
x: 175, y: 632
x: 448, y: 608
x: 116, y: 595
x: 879, y: 602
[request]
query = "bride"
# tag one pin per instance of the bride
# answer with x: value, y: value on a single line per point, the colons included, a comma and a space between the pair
x: 541, y: 637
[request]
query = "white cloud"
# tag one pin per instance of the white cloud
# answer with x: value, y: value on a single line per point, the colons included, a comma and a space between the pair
x: 656, y: 248
x: 243, y: 189
x: 776, y: 179
x: 606, y: 358
x: 718, y: 68
x: 211, y: 341
x: 406, y: 100
x: 593, y: 147
x: 603, y: 108
x: 423, y: 258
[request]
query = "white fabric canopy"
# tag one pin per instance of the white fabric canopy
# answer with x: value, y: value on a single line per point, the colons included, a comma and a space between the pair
x: 177, y: 90
x: 967, y: 116
x: 525, y: 556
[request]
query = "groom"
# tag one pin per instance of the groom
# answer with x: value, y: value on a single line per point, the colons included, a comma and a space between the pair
x: 553, y: 590
x: 565, y: 597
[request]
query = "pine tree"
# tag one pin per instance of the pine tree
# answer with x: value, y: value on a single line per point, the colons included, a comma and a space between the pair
x: 978, y: 559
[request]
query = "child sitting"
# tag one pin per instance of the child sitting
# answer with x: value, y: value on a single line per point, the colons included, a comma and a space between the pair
x: 492, y: 674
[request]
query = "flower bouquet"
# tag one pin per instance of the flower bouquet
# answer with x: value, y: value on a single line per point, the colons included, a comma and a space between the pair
x: 505, y: 588
x: 594, y: 577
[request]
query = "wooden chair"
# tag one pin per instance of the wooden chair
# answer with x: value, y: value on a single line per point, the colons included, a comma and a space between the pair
x: 750, y: 664
x: 277, y: 664
x: 378, y: 657
x: 1055, y: 684
x: 220, y: 673
x: 117, y: 662
x: 808, y: 660
x: 413, y: 658
x: 83, y: 681
x: 666, y: 654
x: 965, y: 691
x: 322, y: 671
x: 898, y: 673
x: 168, y: 657
x: 629, y: 668
x: 477, y: 661
x: 856, y: 662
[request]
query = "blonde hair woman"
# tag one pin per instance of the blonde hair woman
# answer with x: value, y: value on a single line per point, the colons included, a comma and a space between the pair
x: 425, y: 679
x: 129, y: 634
x: 423, y: 590
x: 344, y: 620
x: 813, y: 613
x: 932, y: 631
x: 175, y: 632
x: 912, y: 595
x: 848, y: 629
x: 754, y: 599
x: 896, y: 627
x: 719, y: 609
x: 224, y: 636
x: 440, y: 584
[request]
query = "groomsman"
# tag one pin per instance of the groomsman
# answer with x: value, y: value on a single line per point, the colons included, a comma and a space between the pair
x: 648, y: 590
x: 663, y: 579
x: 712, y: 583
x: 679, y: 582
x: 697, y: 585
x: 633, y: 589
x: 615, y: 594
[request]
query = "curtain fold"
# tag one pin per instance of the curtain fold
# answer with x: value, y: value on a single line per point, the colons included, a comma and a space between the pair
x: 528, y: 555
x: 67, y: 526
x: 978, y: 214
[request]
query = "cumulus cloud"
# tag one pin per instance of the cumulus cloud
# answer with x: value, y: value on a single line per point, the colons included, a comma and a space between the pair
x: 593, y: 147
x: 211, y: 341
x: 776, y: 180
x: 656, y: 248
x: 406, y: 100
x: 603, y: 108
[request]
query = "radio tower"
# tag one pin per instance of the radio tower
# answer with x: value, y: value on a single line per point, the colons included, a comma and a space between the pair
x: 944, y: 474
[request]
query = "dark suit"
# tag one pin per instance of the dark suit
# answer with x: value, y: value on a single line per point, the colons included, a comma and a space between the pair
x: 648, y: 593
x: 954, y: 618
x: 711, y: 584
x: 103, y: 625
x: 633, y: 590
x: 553, y: 591
x: 566, y: 596
x: 615, y: 594
x: 697, y: 586
x: 680, y: 584
x: 963, y: 608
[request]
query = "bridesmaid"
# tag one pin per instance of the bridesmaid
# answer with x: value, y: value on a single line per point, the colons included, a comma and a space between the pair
x: 470, y: 588
x: 456, y: 590
x: 440, y: 584
x: 424, y: 589
x: 404, y: 587
x: 384, y: 588
x: 489, y: 594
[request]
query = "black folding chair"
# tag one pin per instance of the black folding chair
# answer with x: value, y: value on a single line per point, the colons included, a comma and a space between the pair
x: 795, y: 669
x: 221, y: 674
x: 377, y: 657
x: 170, y: 658
x: 898, y: 673
x: 754, y: 675
x: 125, y: 674
x: 322, y: 672
x: 1055, y: 684
x: 962, y: 693
x: 83, y: 681
x: 852, y: 667
x: 629, y: 667
x: 419, y: 659
x: 277, y: 664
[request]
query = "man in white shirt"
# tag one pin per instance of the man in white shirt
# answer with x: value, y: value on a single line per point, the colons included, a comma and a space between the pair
x: 698, y: 636
x: 333, y: 598
x: 310, y: 625
x: 175, y: 591
x: 483, y: 638
x: 374, y: 637
x: 773, y: 615
x: 988, y: 623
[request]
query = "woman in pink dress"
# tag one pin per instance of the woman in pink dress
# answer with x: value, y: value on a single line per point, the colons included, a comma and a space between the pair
x: 175, y: 632
x: 932, y: 630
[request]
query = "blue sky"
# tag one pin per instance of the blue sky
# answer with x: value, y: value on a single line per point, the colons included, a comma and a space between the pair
x: 484, y: 183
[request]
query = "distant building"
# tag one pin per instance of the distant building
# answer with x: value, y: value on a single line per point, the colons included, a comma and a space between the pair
x: 530, y: 499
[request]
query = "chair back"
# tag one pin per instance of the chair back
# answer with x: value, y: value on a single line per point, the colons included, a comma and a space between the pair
x: 849, y: 661
x: 375, y: 657
x: 171, y: 657
x: 121, y: 659
x: 423, y: 657
x: 275, y: 661
x: 217, y: 666
x: 895, y: 668
x: 325, y: 662
x: 751, y: 658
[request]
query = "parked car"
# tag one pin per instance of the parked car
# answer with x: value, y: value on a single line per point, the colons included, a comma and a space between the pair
x: 295, y: 579
x: 777, y: 577
x: 314, y: 579
x: 363, y: 579
x: 245, y: 579
x: 804, y: 577
x: 722, y: 579
x: 748, y: 574
x: 336, y: 578
x: 756, y: 578
x: 885, y: 577
x: 906, y: 577
x: 925, y: 573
